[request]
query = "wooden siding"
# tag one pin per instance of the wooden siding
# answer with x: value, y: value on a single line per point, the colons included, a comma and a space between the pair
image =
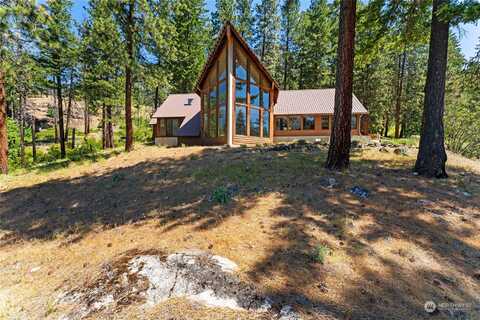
x: 249, y: 140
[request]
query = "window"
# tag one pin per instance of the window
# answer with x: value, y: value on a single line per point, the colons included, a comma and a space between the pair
x: 162, y: 128
x: 266, y: 100
x: 266, y: 124
x: 254, y: 95
x: 222, y: 92
x: 172, y: 126
x: 240, y: 65
x: 212, y: 114
x: 222, y: 120
x: 354, y: 122
x: 308, y: 123
x: 240, y: 120
x: 281, y: 124
x: 294, y: 123
x: 325, y: 123
x: 255, y: 122
x: 240, y: 92
x: 222, y: 65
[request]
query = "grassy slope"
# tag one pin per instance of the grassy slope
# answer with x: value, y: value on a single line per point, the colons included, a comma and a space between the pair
x: 388, y: 254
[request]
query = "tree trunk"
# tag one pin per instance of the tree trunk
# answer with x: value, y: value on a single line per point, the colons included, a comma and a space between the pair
x: 69, y: 107
x: 86, y: 119
x: 431, y: 156
x: 21, y: 121
x: 387, y: 124
x: 287, y: 56
x: 103, y: 126
x: 108, y: 128
x: 128, y: 82
x: 73, y: 138
x: 34, y: 140
x: 398, y: 103
x: 156, y: 100
x: 3, y: 129
x: 61, y: 135
x: 339, y: 150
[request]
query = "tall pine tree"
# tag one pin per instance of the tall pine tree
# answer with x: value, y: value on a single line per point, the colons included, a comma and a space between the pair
x: 290, y: 27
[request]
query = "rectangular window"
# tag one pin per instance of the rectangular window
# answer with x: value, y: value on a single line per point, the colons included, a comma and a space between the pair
x: 206, y: 112
x: 281, y: 124
x: 325, y: 123
x: 222, y: 92
x: 255, y: 122
x: 266, y: 100
x: 240, y: 120
x: 222, y: 120
x: 163, y: 131
x: 254, y: 95
x: 294, y: 123
x: 354, y: 122
x: 172, y: 126
x: 266, y: 124
x: 240, y: 92
x: 308, y: 123
x: 212, y: 126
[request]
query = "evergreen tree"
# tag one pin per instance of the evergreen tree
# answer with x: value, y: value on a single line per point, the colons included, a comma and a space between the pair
x: 191, y: 35
x: 340, y: 140
x: 55, y: 42
x: 244, y: 19
x: 290, y: 24
x: 130, y: 17
x: 266, y: 35
x: 101, y: 43
x: 224, y: 11
x: 317, y: 45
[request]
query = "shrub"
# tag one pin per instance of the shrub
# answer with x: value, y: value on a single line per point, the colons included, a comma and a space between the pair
x: 13, y: 144
x: 320, y: 253
x: 222, y: 194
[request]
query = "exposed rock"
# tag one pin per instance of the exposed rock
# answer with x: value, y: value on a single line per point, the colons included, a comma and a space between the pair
x: 360, y: 192
x: 383, y: 149
x: 153, y: 278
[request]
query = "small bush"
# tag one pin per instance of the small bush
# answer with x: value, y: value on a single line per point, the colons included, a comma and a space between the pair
x: 222, y: 194
x: 320, y: 253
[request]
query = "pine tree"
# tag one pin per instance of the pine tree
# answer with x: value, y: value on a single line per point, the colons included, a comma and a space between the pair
x: 55, y: 41
x: 340, y: 140
x: 244, y: 19
x: 266, y: 35
x: 191, y: 35
x: 317, y: 45
x: 100, y: 57
x: 224, y: 11
x: 290, y: 26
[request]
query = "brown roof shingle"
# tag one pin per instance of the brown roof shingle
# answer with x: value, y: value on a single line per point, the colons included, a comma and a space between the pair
x: 310, y: 102
x: 186, y: 105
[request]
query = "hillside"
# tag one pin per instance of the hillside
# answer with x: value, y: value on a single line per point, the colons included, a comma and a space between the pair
x: 296, y: 231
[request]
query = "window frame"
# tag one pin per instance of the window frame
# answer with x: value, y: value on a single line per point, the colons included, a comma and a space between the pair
x: 304, y: 117
x: 261, y: 88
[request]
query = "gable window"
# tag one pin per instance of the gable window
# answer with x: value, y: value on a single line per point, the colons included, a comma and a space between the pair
x: 354, y: 122
x: 325, y: 123
x: 308, y: 123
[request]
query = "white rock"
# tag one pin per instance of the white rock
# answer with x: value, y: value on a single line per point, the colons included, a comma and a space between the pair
x: 209, y: 299
x: 227, y: 265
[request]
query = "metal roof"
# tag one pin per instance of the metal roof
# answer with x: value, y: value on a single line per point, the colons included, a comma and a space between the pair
x: 312, y: 101
x: 185, y: 106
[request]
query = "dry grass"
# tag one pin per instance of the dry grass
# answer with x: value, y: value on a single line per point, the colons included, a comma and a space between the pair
x: 411, y: 241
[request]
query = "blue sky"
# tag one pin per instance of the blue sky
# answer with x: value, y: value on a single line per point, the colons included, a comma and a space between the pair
x: 469, y: 34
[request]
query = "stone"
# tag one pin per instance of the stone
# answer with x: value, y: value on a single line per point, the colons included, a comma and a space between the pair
x: 288, y: 313
x: 383, y: 149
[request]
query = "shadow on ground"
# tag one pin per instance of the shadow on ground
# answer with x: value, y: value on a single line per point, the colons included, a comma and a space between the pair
x: 178, y: 191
